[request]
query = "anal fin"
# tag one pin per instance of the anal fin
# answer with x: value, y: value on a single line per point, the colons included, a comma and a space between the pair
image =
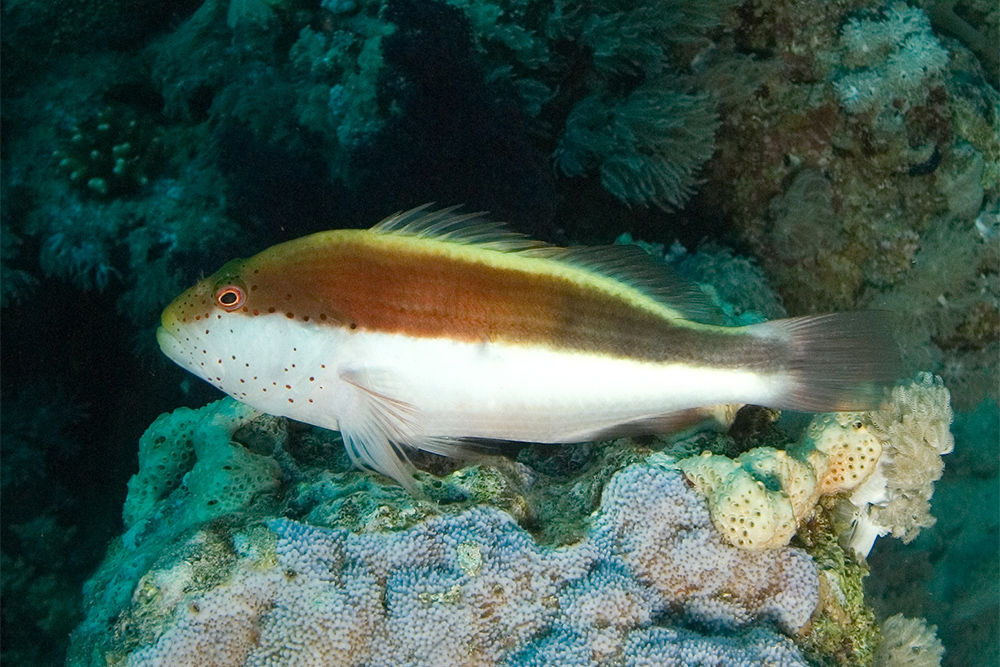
x: 717, y: 417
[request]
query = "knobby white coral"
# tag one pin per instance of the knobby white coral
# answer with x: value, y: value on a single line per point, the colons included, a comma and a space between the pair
x: 887, y: 460
x: 758, y: 499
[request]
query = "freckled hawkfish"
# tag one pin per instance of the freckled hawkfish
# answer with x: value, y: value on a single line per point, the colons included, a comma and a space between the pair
x: 432, y: 329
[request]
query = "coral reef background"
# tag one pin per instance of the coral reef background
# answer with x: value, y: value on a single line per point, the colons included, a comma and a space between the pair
x: 795, y: 156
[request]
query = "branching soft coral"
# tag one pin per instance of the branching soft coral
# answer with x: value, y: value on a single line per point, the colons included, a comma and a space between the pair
x: 647, y: 147
x: 648, y: 138
x: 916, y: 426
x: 908, y: 642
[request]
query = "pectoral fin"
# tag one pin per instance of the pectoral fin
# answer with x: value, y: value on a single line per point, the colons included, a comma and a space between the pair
x: 379, y: 426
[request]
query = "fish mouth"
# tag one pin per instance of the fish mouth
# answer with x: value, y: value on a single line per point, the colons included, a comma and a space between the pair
x: 179, y: 353
x: 179, y: 347
x: 169, y: 344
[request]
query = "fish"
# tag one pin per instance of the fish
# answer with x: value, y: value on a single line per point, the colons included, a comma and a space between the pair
x: 434, y: 329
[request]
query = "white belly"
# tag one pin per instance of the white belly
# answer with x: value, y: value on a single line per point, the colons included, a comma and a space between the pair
x: 508, y: 392
x: 384, y: 390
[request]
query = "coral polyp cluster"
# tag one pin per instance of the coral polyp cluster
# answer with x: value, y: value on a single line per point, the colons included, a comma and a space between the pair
x: 114, y: 153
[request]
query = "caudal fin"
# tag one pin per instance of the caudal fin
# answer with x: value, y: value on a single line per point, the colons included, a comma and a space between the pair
x: 836, y: 362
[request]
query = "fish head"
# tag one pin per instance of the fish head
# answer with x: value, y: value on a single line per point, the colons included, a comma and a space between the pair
x: 197, y: 330
x: 263, y: 329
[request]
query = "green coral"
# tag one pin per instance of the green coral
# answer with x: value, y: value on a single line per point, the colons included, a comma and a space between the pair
x: 193, y: 451
x: 166, y: 454
x: 227, y: 478
x: 843, y: 631
x: 114, y: 153
x: 361, y: 503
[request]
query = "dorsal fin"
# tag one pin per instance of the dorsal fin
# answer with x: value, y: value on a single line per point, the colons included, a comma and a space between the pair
x: 467, y: 228
x: 633, y: 266
x: 626, y: 264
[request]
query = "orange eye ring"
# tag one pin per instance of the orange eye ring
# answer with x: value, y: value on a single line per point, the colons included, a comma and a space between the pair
x: 230, y: 297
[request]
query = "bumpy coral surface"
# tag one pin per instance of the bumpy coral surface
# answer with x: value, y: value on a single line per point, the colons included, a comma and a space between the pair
x: 651, y: 582
x: 166, y: 453
x: 757, y: 499
x: 744, y: 510
x: 842, y: 449
x: 195, y: 446
x: 887, y: 460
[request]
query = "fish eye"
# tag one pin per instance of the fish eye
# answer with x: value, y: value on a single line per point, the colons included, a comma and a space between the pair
x: 230, y: 297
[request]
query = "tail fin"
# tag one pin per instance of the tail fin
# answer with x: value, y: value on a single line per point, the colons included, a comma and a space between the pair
x: 836, y: 362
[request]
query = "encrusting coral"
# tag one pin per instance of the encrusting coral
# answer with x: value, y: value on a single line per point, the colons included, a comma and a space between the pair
x: 651, y: 581
x: 195, y: 447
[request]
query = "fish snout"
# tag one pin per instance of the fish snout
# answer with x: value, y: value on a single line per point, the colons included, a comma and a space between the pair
x: 171, y: 346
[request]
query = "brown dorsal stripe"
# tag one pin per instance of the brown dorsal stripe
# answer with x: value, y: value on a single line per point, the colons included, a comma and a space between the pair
x: 419, y: 288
